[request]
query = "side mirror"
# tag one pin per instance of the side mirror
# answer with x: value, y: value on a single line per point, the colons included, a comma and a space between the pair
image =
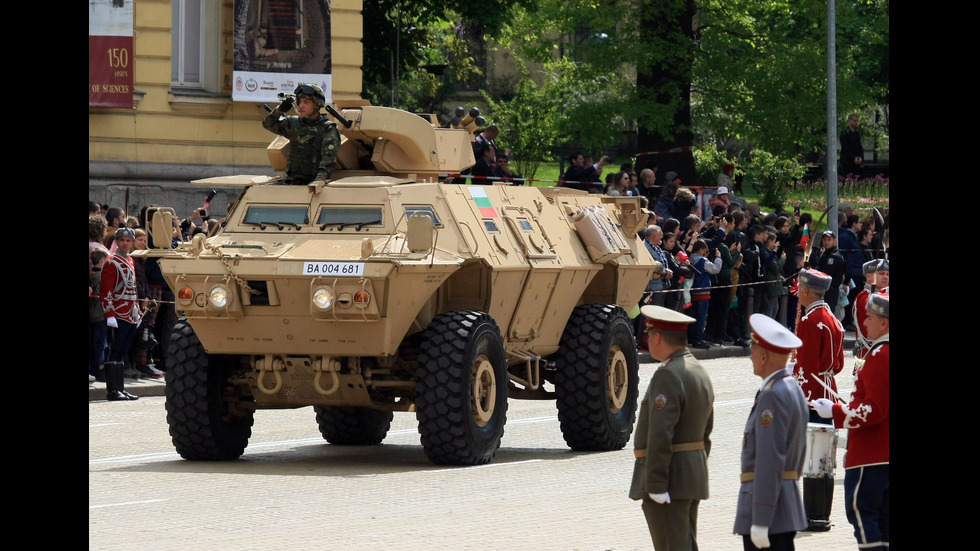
x: 162, y: 226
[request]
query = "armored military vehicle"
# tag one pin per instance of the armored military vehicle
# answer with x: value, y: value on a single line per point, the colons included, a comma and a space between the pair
x: 394, y: 288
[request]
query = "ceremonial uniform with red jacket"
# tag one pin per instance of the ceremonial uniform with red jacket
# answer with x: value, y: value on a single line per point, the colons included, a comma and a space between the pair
x: 866, y: 470
x: 118, y: 289
x: 822, y: 353
x: 860, y: 313
x: 866, y: 415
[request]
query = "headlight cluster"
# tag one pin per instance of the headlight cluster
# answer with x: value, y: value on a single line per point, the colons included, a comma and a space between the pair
x: 323, y: 298
x: 218, y: 296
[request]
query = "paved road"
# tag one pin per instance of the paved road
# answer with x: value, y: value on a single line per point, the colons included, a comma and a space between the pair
x: 292, y: 490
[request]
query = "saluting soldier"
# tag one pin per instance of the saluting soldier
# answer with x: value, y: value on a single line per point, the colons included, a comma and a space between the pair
x: 866, y: 469
x: 672, y: 441
x: 819, y: 358
x: 313, y: 138
x: 770, y: 504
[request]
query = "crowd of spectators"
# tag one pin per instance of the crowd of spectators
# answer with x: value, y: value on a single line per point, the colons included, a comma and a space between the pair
x: 143, y: 351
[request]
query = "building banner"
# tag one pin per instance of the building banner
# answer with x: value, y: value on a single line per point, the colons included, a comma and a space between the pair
x: 110, y: 53
x: 279, y: 44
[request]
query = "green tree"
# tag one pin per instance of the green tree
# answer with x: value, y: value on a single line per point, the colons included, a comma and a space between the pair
x: 760, y: 73
x: 407, y: 43
x: 532, y: 120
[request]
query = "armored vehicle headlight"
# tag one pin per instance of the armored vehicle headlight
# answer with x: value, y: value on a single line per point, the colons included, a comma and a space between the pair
x: 323, y: 298
x: 218, y: 296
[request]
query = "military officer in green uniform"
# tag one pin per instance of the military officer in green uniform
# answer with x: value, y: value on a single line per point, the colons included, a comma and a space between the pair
x: 313, y: 138
x: 672, y: 442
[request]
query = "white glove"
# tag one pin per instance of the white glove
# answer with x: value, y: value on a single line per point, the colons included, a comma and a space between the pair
x: 111, y: 321
x: 661, y: 498
x: 824, y: 407
x: 760, y: 536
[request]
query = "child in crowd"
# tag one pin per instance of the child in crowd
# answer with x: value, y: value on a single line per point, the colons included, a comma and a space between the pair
x: 701, y: 291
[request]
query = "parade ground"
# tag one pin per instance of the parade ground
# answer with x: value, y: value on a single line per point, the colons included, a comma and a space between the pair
x: 292, y: 490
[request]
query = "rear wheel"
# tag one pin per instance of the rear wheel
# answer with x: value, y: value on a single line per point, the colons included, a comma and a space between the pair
x: 461, y: 389
x: 202, y: 425
x: 353, y: 426
x: 597, y: 379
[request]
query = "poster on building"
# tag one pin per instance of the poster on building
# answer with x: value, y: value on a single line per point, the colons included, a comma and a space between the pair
x: 110, y: 53
x: 278, y: 45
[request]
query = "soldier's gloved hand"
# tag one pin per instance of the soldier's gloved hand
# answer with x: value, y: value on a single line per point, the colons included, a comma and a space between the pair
x: 111, y: 321
x: 286, y: 104
x: 824, y: 407
x: 760, y: 536
x: 661, y: 498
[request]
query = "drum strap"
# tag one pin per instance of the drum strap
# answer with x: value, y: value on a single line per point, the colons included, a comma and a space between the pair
x: 787, y: 475
x: 674, y: 448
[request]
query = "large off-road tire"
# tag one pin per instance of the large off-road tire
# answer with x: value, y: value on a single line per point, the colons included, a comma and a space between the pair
x: 353, y: 426
x: 461, y: 389
x: 597, y: 379
x: 201, y: 425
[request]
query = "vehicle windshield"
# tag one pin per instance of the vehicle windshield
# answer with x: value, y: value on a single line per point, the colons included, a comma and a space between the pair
x: 276, y: 215
x: 349, y: 216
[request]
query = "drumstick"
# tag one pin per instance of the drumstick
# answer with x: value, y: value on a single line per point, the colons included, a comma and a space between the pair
x: 830, y: 390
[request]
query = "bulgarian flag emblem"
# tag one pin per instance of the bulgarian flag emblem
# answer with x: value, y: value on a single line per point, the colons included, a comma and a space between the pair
x: 806, y: 236
x: 479, y: 195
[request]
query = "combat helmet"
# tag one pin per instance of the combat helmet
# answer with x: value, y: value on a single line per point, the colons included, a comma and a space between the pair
x: 313, y: 91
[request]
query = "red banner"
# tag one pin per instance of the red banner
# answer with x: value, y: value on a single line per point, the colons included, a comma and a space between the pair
x: 110, y: 71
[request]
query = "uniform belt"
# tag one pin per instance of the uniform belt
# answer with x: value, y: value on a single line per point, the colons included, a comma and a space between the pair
x: 674, y: 448
x: 787, y: 475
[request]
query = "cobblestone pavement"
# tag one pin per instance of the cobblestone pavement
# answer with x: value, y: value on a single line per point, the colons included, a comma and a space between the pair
x: 291, y: 490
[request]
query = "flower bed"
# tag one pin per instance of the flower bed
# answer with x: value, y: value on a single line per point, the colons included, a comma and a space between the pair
x: 863, y: 193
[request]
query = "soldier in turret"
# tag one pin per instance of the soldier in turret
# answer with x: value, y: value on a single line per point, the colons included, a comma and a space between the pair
x: 313, y: 138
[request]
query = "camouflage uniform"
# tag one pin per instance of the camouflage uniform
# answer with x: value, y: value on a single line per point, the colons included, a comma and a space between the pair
x: 313, y: 145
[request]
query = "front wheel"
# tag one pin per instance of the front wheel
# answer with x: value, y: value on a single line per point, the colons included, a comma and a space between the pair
x: 597, y: 379
x: 202, y: 425
x: 461, y: 389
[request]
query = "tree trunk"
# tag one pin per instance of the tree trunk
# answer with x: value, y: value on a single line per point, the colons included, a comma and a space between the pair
x: 666, y: 83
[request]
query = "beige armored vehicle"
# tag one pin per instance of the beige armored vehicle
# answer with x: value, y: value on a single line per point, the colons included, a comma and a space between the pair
x: 389, y: 289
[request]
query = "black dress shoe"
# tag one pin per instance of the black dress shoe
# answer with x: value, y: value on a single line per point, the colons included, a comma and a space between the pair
x: 702, y: 345
x: 115, y: 396
x: 129, y: 396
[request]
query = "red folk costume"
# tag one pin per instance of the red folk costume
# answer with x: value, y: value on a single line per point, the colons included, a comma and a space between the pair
x: 118, y: 289
x: 867, y: 412
x: 822, y: 353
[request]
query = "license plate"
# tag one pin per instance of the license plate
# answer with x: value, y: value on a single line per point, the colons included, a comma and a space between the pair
x: 333, y: 268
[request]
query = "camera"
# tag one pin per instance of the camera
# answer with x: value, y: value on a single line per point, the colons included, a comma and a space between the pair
x: 210, y: 196
x: 204, y: 214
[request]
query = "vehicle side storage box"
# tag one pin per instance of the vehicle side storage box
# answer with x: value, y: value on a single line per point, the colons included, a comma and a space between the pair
x: 600, y: 235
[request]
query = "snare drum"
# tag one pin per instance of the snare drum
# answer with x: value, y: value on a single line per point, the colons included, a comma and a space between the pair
x: 821, y: 451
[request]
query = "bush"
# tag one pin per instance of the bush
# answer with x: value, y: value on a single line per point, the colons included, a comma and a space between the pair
x: 708, y: 162
x: 773, y: 176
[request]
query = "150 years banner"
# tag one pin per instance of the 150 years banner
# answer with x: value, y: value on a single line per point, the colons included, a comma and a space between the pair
x: 279, y: 44
x: 110, y: 53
